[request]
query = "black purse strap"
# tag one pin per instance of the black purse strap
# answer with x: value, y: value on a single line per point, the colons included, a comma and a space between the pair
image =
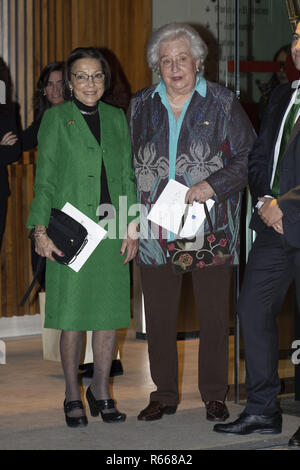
x: 206, y: 214
x: 208, y: 218
x: 35, y: 277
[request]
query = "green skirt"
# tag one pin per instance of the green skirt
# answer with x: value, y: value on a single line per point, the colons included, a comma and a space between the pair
x: 95, y: 298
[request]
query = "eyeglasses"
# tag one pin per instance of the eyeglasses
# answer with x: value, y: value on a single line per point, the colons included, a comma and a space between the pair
x: 181, y: 61
x: 82, y: 78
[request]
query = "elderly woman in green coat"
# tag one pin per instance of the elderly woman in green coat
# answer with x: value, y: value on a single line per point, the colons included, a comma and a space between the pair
x: 84, y: 158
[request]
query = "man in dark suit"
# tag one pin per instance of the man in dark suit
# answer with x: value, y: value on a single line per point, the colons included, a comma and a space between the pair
x: 274, y: 260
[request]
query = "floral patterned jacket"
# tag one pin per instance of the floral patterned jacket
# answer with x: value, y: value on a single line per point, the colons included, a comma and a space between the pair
x: 215, y: 139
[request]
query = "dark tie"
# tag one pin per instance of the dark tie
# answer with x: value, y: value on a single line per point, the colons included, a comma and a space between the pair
x: 288, y: 126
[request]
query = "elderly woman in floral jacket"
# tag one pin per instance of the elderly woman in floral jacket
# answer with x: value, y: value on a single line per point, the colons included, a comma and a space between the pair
x: 187, y: 129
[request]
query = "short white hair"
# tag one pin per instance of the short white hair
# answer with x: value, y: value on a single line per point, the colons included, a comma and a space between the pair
x: 174, y: 31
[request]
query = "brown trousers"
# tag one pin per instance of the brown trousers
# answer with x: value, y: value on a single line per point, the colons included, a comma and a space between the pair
x: 162, y: 289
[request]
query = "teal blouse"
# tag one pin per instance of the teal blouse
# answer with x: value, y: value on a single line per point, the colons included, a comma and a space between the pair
x: 175, y: 124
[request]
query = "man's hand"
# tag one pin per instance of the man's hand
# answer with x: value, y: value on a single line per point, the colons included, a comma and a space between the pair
x: 199, y: 192
x: 271, y: 213
x: 278, y: 227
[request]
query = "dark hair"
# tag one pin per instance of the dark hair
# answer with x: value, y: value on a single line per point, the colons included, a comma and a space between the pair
x: 286, y: 49
x: 85, y: 53
x: 40, y: 101
x: 119, y: 92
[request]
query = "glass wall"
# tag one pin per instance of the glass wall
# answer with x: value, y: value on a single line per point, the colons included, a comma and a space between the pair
x: 263, y: 30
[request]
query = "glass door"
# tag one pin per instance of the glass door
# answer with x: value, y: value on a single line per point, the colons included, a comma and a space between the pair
x: 254, y: 42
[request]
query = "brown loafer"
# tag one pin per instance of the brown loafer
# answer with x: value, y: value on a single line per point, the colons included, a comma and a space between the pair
x: 155, y: 410
x: 216, y: 411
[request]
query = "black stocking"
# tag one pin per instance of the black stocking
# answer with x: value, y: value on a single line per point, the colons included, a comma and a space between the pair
x: 70, y: 352
x: 103, y: 344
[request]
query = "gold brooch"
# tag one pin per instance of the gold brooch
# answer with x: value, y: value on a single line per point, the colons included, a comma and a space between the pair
x: 70, y: 123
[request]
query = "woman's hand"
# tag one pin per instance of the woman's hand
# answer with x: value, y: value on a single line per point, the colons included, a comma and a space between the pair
x: 9, y: 139
x: 130, y: 242
x: 44, y: 246
x: 199, y: 192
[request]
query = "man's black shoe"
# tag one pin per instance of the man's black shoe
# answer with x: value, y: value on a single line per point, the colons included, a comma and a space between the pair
x: 295, y: 439
x: 248, y: 424
x: 87, y: 370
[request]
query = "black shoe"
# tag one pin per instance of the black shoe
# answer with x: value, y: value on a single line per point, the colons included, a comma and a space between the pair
x: 74, y: 421
x: 248, y: 424
x: 87, y: 370
x: 97, y: 406
x: 295, y: 439
x: 116, y: 368
x: 156, y: 410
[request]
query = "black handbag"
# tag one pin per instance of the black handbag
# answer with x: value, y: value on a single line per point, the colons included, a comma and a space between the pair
x: 213, y: 252
x: 68, y: 235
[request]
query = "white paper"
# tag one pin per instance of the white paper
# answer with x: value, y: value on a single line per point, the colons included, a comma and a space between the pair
x: 94, y: 236
x: 170, y: 207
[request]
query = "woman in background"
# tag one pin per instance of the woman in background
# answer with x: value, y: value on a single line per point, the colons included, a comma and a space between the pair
x: 9, y: 145
x: 49, y: 93
x: 9, y: 153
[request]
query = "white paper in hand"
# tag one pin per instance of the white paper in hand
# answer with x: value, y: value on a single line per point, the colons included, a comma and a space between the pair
x: 94, y: 236
x: 169, y: 207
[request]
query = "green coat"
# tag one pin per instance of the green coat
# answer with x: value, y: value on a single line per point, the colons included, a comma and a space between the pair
x: 68, y: 170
